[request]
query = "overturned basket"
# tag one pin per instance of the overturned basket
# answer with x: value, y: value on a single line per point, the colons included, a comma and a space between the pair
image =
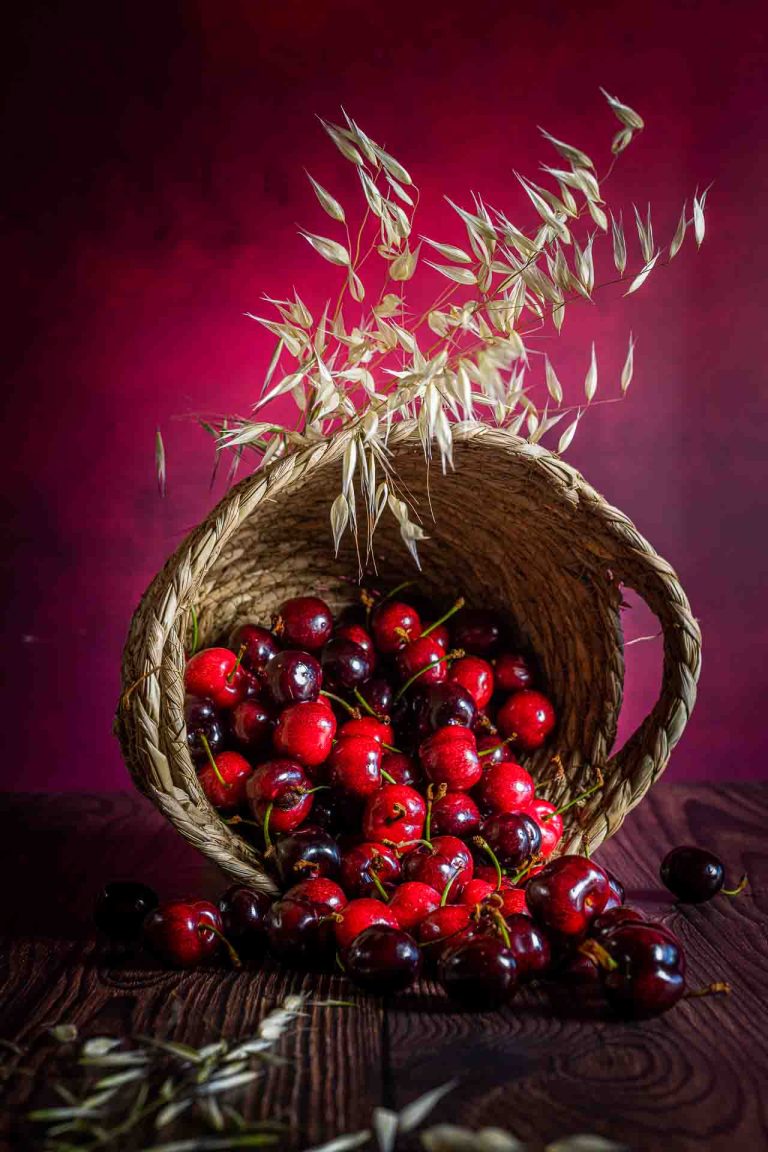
x: 515, y: 529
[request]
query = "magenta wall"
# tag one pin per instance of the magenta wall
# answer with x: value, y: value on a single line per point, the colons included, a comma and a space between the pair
x: 155, y: 181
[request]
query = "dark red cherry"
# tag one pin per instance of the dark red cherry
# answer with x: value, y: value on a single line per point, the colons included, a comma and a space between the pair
x: 617, y: 896
x: 355, y: 765
x: 513, y: 836
x: 260, y: 646
x: 324, y: 894
x: 345, y: 664
x: 395, y: 813
x: 442, y: 926
x: 493, y: 750
x: 505, y: 787
x: 202, y: 719
x: 121, y: 908
x: 284, y: 785
x: 607, y: 922
x: 251, y: 724
x: 567, y: 894
x: 450, y: 757
x: 692, y: 874
x: 378, y: 695
x: 403, y: 769
x: 225, y: 783
x: 477, y: 631
x: 526, y: 718
x: 183, y: 933
x: 550, y: 824
x: 424, y: 657
x: 512, y: 672
x: 293, y: 677
x: 447, y: 860
x: 337, y: 812
x: 299, y: 933
x: 475, y: 676
x: 243, y: 916
x: 438, y: 705
x: 216, y: 674
x: 304, y: 622
x: 647, y: 976
x: 455, y: 814
x: 358, y: 915
x: 513, y: 901
x: 383, y: 960
x: 480, y: 973
x: 362, y: 862
x: 441, y: 635
x: 394, y: 625
x: 305, y: 732
x: 307, y: 853
x: 529, y: 945
x: 412, y: 901
x: 358, y: 635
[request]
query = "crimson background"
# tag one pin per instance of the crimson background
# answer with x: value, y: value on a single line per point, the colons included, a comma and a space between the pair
x: 153, y: 181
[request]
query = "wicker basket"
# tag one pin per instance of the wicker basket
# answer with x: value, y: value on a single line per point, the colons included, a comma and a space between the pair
x: 515, y: 528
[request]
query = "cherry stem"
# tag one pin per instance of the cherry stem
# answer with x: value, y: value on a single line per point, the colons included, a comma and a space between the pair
x: 496, y: 747
x: 446, y: 616
x: 391, y: 748
x: 265, y: 826
x: 379, y: 887
x: 719, y: 988
x: 408, y: 843
x: 598, y: 955
x: 353, y: 712
x: 738, y: 889
x: 576, y: 800
x: 481, y: 843
x: 235, y: 960
x: 237, y: 663
x: 195, y: 630
x: 446, y: 890
x: 396, y: 589
x: 386, y: 776
x: 317, y: 788
x: 455, y: 655
x: 211, y: 761
x: 498, y: 920
x: 365, y: 705
x: 523, y: 872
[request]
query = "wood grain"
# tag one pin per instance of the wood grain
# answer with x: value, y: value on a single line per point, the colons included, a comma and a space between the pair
x: 546, y: 1066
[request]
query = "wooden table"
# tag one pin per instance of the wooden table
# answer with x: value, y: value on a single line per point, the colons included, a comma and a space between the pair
x: 695, y: 1079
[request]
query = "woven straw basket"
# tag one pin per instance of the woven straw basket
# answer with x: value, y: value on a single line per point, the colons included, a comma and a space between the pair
x: 514, y: 529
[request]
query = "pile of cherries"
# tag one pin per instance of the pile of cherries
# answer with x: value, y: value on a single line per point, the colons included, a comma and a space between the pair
x: 371, y: 760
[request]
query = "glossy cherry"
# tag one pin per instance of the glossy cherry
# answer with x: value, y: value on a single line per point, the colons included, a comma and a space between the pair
x: 121, y: 908
x: 513, y: 836
x: 251, y: 724
x: 477, y: 631
x: 394, y: 625
x: 438, y: 705
x: 479, y: 973
x: 550, y: 824
x: 450, y: 757
x: 395, y: 813
x: 378, y: 695
x: 362, y: 862
x: 448, y: 860
x: 412, y: 901
x: 202, y: 719
x: 455, y: 814
x: 505, y: 787
x: 512, y: 672
x: 355, y: 765
x: 567, y: 894
x: 383, y: 960
x: 402, y: 768
x: 423, y: 658
x: 260, y: 646
x: 442, y: 636
x: 607, y: 922
x: 477, y: 891
x: 284, y: 785
x: 475, y: 675
x: 243, y: 913
x: 305, y: 732
x: 692, y: 874
x: 369, y: 727
x: 527, y: 718
x: 183, y: 933
x: 345, y: 664
x: 358, y: 915
x: 492, y: 749
x: 360, y: 636
x: 618, y: 895
x: 292, y: 677
x: 304, y: 622
x: 307, y: 853
x: 225, y: 784
x: 216, y: 674
x: 529, y: 944
x: 647, y: 974
x: 324, y: 894
x: 300, y: 933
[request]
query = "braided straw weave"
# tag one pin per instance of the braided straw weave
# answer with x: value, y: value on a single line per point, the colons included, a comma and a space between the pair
x: 514, y: 529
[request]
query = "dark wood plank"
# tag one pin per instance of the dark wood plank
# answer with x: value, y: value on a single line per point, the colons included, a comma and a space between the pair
x: 692, y: 1079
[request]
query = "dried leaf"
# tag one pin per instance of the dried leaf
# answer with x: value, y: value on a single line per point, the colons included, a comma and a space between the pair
x: 160, y: 461
x: 404, y: 265
x: 642, y: 276
x: 384, y: 1122
x: 459, y: 275
x: 573, y: 155
x: 586, y: 1143
x: 449, y: 251
x: 448, y: 1138
x: 393, y: 166
x: 621, y: 141
x: 417, y: 1111
x: 645, y: 233
x: 619, y: 244
x: 371, y: 192
x: 327, y: 202
x: 698, y: 220
x: 64, y: 1033
x: 343, y: 1143
x: 598, y: 215
x: 677, y: 239
x: 629, y: 364
x: 356, y: 287
x: 628, y: 117
x: 554, y: 387
x: 342, y: 142
x: 590, y: 381
x: 566, y: 438
x: 330, y: 250
x: 497, y: 1140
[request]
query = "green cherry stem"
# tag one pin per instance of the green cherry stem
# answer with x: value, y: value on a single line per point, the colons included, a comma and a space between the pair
x: 353, y: 712
x: 233, y: 956
x: 379, y: 887
x: 455, y: 655
x: 265, y: 826
x: 498, y: 919
x: 237, y: 663
x: 446, y: 890
x: 481, y: 843
x: 598, y: 955
x: 386, y: 776
x: 396, y: 589
x: 391, y: 748
x: 496, y: 747
x: 446, y: 616
x: 211, y: 760
x: 523, y: 872
x: 738, y: 889
x: 365, y: 705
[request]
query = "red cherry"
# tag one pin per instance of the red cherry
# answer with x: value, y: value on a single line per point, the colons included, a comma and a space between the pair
x: 496, y: 750
x: 355, y: 765
x: 477, y: 630
x: 403, y: 769
x: 447, y: 861
x: 304, y: 622
x: 180, y: 931
x: 441, y: 636
x: 215, y: 673
x: 604, y: 924
x: 476, y: 676
x: 528, y: 717
x: 322, y: 893
x: 549, y: 821
x: 513, y: 836
x: 455, y: 814
x: 225, y: 785
x: 648, y: 972
x: 260, y: 646
x: 413, y: 901
x: 513, y: 902
x: 251, y: 723
x: 395, y: 813
x: 477, y: 891
x: 529, y: 946
x: 450, y: 757
x: 443, y: 924
x: 567, y: 894
x: 305, y: 733
x: 488, y: 872
x: 394, y: 625
x: 505, y: 787
x: 360, y: 863
x: 358, y: 915
x: 512, y: 672
x: 284, y: 785
x: 422, y: 656
x: 358, y: 635
x: 368, y: 726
